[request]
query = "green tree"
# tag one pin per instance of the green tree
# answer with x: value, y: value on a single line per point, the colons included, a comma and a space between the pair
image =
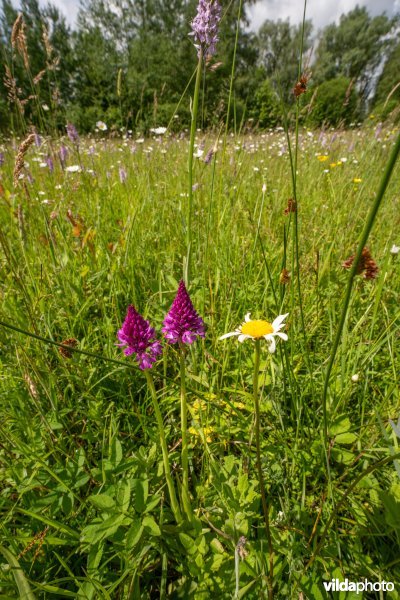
x: 44, y: 78
x: 266, y: 109
x: 353, y: 48
x: 279, y: 45
x: 335, y: 103
x: 388, y: 86
x: 95, y: 79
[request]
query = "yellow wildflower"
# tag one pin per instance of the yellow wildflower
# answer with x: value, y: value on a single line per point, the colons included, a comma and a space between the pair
x: 205, y: 433
x: 198, y: 406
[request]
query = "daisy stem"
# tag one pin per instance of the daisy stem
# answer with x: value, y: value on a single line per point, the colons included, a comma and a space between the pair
x: 264, y: 503
x: 186, y: 274
x: 164, y: 449
x: 184, y: 455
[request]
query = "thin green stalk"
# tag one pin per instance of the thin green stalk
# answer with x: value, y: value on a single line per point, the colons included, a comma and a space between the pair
x: 293, y: 168
x: 363, y: 240
x: 264, y: 503
x: 164, y: 448
x: 184, y: 454
x: 228, y: 110
x: 195, y: 105
x: 66, y: 347
x: 237, y: 573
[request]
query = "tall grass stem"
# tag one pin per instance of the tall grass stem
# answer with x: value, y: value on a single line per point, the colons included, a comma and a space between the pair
x: 195, y: 105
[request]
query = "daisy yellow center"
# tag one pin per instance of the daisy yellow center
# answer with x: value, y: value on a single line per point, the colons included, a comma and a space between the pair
x: 257, y: 329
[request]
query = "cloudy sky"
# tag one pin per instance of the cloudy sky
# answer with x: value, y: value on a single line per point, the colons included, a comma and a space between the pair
x: 321, y: 12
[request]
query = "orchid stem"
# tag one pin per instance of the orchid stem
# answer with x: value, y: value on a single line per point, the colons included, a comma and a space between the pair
x: 164, y: 449
x: 184, y: 455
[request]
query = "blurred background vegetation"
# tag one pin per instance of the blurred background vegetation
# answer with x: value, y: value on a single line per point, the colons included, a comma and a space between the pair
x: 128, y: 66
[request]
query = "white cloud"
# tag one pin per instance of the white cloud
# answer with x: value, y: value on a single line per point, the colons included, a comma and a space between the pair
x: 69, y: 8
x: 321, y: 12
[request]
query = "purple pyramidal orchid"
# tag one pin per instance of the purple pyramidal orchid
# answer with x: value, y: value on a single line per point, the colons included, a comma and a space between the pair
x: 182, y: 323
x: 72, y: 133
x: 139, y: 338
x: 205, y: 27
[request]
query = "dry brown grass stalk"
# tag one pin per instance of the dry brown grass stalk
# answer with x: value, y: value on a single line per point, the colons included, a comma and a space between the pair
x: 13, y: 91
x: 18, y: 39
x: 20, y: 160
x: 46, y: 40
x: 39, y: 76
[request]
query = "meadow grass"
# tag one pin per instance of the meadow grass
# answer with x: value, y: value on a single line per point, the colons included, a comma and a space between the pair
x: 84, y: 501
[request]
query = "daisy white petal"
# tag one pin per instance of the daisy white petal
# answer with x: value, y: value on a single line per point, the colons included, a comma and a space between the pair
x: 247, y: 317
x: 228, y: 335
x: 243, y: 337
x: 283, y: 336
x: 272, y: 345
x: 277, y: 323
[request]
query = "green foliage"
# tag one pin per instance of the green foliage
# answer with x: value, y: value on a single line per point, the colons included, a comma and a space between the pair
x: 40, y: 83
x: 146, y: 45
x: 386, y: 87
x: 80, y: 462
x: 335, y: 103
x: 85, y: 503
x: 353, y: 48
x: 266, y: 107
x: 279, y: 45
x: 388, y: 111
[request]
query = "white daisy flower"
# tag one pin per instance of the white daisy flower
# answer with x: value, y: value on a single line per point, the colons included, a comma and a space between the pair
x: 101, y: 126
x: 394, y: 250
x: 158, y: 130
x: 256, y: 329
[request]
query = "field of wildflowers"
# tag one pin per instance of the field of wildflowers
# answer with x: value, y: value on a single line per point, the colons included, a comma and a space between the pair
x: 199, y: 361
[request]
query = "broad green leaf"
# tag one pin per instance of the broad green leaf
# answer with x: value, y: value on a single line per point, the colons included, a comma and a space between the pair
x: 134, y: 534
x: 123, y: 495
x: 340, y: 425
x: 141, y: 491
x: 94, y: 558
x: 346, y: 438
x: 188, y: 543
x: 151, y: 526
x: 24, y: 589
x: 100, y: 530
x: 102, y: 501
x: 115, y: 455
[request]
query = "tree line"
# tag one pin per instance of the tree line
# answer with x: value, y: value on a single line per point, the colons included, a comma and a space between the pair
x: 128, y: 63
